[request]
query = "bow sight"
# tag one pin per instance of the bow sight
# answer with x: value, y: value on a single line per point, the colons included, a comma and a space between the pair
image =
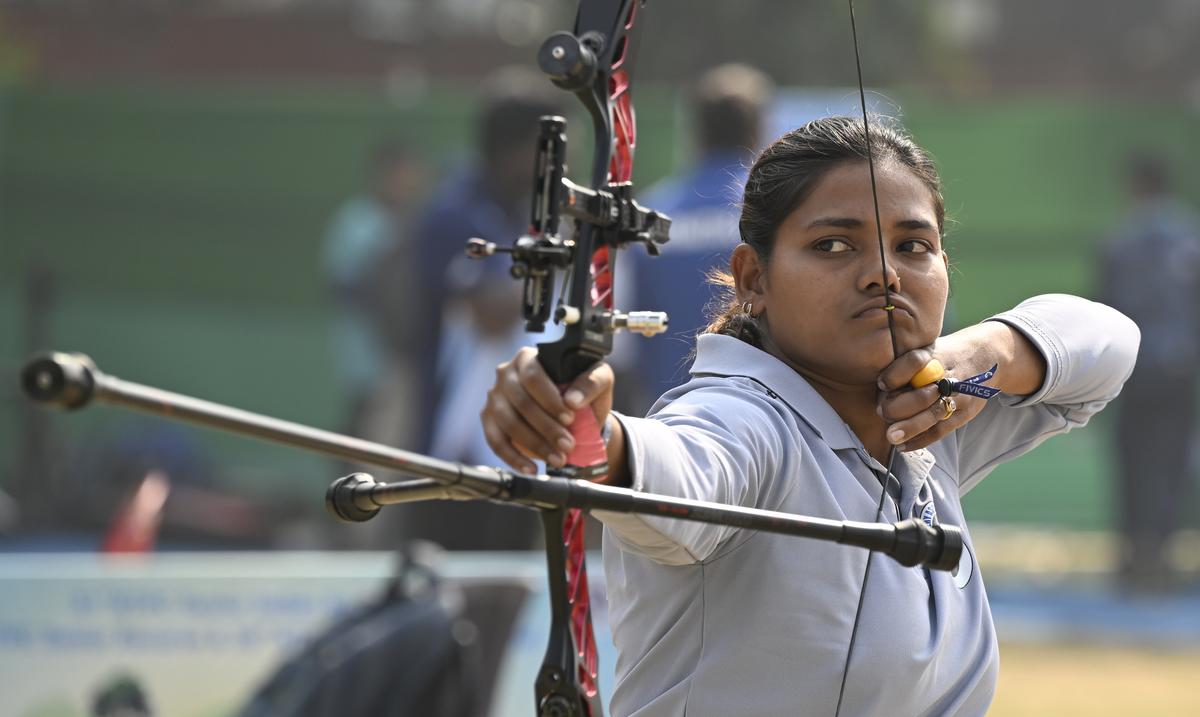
x: 617, y: 221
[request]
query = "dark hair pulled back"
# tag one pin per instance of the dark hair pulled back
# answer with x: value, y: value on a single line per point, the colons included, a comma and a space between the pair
x: 783, y: 176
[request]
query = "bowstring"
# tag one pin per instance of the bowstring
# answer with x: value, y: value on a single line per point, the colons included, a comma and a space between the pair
x: 889, y: 310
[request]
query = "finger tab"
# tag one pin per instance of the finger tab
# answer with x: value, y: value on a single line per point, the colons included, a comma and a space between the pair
x: 929, y: 373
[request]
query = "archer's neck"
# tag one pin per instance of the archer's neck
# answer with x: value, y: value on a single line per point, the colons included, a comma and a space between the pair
x: 855, y: 403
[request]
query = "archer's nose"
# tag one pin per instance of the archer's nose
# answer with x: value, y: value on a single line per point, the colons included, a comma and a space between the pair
x: 874, y: 272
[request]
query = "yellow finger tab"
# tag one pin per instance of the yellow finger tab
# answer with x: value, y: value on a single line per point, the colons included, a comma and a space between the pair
x: 933, y: 372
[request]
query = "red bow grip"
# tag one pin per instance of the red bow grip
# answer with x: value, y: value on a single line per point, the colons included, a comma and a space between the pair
x: 589, y: 457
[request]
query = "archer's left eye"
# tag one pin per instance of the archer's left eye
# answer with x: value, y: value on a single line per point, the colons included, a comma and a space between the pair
x: 915, y: 246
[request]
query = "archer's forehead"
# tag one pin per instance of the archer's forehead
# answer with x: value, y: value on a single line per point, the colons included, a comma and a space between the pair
x: 844, y: 194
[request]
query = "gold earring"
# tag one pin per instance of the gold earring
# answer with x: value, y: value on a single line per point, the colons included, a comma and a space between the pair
x: 748, y: 308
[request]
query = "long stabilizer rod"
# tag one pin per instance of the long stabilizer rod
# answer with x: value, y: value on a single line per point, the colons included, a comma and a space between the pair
x: 72, y: 381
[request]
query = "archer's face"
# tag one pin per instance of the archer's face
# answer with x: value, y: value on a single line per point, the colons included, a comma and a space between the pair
x: 823, y: 289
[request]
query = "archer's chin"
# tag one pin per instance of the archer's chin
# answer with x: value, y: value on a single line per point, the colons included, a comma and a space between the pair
x: 868, y: 356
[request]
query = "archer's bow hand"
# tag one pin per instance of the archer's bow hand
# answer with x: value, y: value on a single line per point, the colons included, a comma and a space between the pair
x: 526, y: 417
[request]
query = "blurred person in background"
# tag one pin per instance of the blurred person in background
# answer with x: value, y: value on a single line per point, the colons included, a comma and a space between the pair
x: 121, y: 696
x: 368, y: 261
x: 473, y: 306
x: 1151, y: 272
x: 728, y: 105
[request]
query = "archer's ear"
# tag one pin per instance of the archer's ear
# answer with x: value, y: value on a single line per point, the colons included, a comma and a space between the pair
x: 749, y: 274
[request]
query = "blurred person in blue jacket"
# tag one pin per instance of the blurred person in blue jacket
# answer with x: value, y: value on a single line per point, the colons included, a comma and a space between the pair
x: 728, y: 106
x: 473, y: 307
x: 1151, y: 272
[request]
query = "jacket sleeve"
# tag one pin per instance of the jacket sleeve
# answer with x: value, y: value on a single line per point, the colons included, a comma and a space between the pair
x: 1090, y: 350
x: 710, y: 440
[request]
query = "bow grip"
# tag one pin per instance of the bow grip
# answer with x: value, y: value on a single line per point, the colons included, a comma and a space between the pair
x: 589, y: 458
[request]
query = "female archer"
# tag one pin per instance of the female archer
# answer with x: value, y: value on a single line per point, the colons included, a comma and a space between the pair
x: 798, y: 395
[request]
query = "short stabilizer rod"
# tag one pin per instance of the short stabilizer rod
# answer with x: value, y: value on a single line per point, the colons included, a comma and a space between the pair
x: 358, y: 497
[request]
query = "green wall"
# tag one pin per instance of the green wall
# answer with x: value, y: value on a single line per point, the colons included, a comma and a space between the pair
x: 184, y: 225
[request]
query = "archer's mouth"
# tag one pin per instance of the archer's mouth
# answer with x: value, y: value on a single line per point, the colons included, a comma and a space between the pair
x: 878, y: 312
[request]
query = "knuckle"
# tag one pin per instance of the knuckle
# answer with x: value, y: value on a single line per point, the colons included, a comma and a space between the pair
x: 504, y: 414
x: 550, y: 427
x: 494, y: 439
x: 539, y: 447
x: 493, y: 405
x: 587, y: 384
x: 521, y: 401
x: 528, y: 369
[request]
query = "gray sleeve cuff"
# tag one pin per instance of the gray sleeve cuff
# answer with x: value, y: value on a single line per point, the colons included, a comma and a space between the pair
x: 1089, y: 348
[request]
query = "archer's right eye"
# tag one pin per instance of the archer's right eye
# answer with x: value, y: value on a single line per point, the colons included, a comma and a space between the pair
x: 833, y: 245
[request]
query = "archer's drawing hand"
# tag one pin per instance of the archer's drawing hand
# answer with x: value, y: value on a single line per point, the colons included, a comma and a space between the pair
x: 526, y: 417
x: 917, y: 417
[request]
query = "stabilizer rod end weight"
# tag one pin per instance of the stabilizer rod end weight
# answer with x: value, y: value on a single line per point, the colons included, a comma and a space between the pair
x: 340, y: 499
x: 939, y: 547
x: 59, y: 379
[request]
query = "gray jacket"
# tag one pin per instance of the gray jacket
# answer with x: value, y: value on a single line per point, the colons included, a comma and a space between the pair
x: 712, y: 621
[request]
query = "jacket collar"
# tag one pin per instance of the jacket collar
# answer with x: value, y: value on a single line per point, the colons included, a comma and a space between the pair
x: 718, y: 355
x: 726, y: 356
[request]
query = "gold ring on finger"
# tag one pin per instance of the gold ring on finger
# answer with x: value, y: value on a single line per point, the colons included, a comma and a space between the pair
x: 948, y: 406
